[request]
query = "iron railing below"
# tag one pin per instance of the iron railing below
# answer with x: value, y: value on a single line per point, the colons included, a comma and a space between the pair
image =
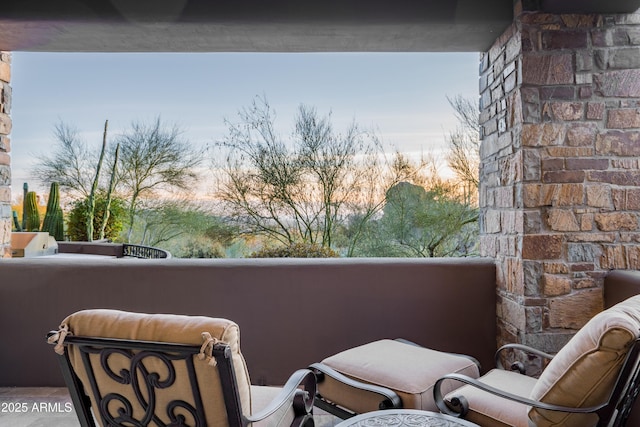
x: 146, y: 252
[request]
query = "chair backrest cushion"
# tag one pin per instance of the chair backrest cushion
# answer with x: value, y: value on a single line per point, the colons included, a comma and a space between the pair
x: 584, y: 372
x: 161, y: 328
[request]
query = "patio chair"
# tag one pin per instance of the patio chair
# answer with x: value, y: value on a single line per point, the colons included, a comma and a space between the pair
x: 592, y: 381
x: 125, y: 369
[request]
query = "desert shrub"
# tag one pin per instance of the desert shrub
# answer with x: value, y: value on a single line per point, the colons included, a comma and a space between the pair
x: 77, y: 219
x: 296, y: 250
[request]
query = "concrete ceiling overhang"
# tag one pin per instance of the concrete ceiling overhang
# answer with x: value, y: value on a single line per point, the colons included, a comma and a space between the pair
x: 269, y: 25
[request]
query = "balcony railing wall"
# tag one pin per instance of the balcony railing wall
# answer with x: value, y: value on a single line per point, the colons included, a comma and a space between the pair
x: 291, y: 312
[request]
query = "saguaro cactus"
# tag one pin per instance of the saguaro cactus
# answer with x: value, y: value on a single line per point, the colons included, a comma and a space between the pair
x: 53, y: 220
x: 31, y: 212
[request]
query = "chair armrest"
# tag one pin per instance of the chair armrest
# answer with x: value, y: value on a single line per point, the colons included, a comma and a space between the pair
x: 518, y: 366
x: 462, y: 406
x: 291, y: 395
x: 388, y: 398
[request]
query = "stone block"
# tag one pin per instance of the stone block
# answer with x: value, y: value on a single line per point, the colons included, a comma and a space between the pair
x: 5, y: 175
x: 542, y: 246
x: 5, y: 194
x: 623, y: 118
x: 532, y: 274
x: 613, y: 257
x: 592, y: 237
x: 581, y: 135
x: 579, y: 20
x: 585, y: 91
x: 551, y: 342
x: 595, y: 110
x: 531, y: 222
x: 617, y: 221
x: 492, y: 223
x: 563, y: 176
x: 5, y: 72
x: 5, y: 143
x: 504, y: 197
x: 5, y: 124
x: 582, y: 253
x: 575, y: 310
x: 568, y: 195
x: 557, y: 92
x: 558, y: 267
x: 570, y: 151
x: 623, y: 83
x: 563, y: 111
x: 587, y: 164
x: 633, y: 199
x: 5, y: 158
x: 531, y: 164
x: 630, y: 237
x: 633, y: 256
x: 599, y: 196
x: 632, y: 35
x: 533, y: 317
x: 555, y: 285
x: 513, y: 313
x: 602, y: 38
x: 584, y: 60
x: 623, y: 58
x: 587, y: 222
x: 489, y: 246
x: 542, y: 135
x: 562, y: 220
x: 555, y: 40
x: 627, y: 178
x: 547, y: 69
x: 553, y: 164
x: 585, y: 283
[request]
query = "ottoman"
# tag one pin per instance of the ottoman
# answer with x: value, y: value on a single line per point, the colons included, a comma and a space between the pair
x: 386, y: 374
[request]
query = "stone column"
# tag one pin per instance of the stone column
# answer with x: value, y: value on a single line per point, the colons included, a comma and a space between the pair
x: 560, y: 178
x: 5, y: 159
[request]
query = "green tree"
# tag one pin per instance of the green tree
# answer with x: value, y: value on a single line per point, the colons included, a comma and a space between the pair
x: 77, y: 218
x: 70, y: 162
x: 300, y: 189
x: 426, y: 223
x: 464, y: 144
x: 186, y: 229
x: 153, y: 159
x: 417, y: 222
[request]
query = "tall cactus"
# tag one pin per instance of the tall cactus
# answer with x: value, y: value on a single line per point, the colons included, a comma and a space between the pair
x: 16, y: 224
x: 25, y: 190
x: 53, y: 220
x: 31, y: 212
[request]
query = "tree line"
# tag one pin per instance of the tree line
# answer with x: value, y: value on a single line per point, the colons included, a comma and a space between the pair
x: 319, y: 190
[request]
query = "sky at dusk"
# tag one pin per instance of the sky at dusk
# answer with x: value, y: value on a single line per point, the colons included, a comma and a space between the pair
x: 402, y: 96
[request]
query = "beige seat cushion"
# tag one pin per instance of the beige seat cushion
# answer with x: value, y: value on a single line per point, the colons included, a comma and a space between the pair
x: 409, y: 370
x: 582, y: 374
x: 163, y: 328
x: 488, y: 410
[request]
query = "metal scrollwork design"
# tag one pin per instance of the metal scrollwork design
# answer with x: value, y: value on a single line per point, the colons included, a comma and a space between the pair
x: 406, y: 420
x: 117, y: 409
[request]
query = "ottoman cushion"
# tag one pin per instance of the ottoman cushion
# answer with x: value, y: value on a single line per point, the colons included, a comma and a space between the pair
x: 411, y: 371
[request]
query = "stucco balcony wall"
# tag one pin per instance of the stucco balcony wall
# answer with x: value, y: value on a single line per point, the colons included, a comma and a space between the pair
x: 291, y: 312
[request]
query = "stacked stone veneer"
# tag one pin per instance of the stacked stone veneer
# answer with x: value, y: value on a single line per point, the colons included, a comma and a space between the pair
x: 560, y: 178
x: 5, y: 160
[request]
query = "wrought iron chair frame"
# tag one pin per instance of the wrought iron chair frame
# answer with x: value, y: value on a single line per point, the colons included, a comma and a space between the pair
x: 613, y: 413
x: 302, y: 399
